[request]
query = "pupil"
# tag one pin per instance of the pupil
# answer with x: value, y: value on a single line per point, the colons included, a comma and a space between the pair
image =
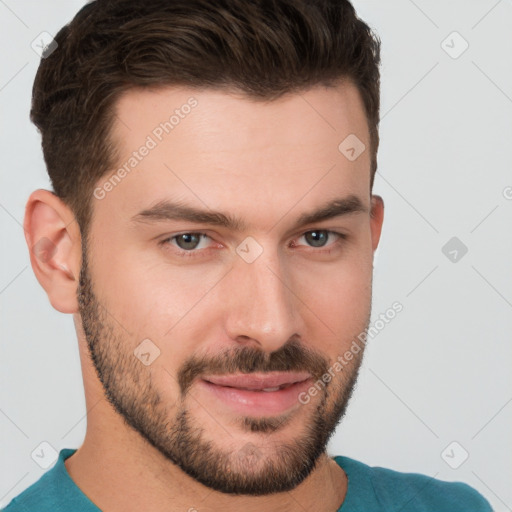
x: 316, y: 238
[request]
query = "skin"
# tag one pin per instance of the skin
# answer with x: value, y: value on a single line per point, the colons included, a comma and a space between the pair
x: 266, y: 163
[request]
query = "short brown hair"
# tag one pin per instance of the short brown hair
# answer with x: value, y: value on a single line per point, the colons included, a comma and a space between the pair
x: 263, y: 48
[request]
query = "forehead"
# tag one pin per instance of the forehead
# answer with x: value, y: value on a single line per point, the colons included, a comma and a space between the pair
x: 218, y: 148
x: 213, y: 116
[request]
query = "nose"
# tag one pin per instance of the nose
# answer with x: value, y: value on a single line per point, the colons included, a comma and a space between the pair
x: 262, y: 309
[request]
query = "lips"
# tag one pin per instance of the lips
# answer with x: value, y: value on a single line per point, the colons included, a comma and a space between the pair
x: 259, y: 382
x: 256, y: 394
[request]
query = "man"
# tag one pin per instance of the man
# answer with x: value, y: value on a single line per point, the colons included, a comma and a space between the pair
x: 212, y: 230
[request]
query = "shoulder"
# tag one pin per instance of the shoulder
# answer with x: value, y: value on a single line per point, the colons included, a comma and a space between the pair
x: 54, y: 491
x: 394, y: 490
x: 34, y: 495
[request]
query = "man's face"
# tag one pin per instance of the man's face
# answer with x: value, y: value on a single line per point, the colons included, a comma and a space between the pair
x: 205, y: 332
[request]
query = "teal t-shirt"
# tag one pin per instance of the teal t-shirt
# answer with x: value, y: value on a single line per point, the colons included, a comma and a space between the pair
x: 370, y: 489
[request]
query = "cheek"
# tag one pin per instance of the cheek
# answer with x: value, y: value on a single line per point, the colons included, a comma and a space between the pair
x: 338, y: 302
x: 152, y: 299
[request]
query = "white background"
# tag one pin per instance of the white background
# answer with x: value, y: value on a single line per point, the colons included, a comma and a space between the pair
x: 438, y: 372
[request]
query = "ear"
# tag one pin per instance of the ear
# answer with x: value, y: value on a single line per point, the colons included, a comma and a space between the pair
x: 54, y: 241
x: 376, y: 219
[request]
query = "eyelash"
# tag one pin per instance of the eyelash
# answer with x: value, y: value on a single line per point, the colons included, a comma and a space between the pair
x: 193, y: 253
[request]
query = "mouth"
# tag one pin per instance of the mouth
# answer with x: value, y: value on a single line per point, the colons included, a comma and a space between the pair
x: 257, y: 394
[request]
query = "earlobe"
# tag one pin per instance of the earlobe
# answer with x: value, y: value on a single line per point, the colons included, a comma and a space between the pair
x: 54, y: 242
x: 376, y: 219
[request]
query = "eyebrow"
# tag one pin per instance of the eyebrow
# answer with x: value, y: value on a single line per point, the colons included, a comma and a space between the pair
x: 167, y: 210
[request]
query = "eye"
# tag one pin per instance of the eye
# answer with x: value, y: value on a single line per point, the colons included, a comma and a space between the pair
x: 188, y: 242
x: 319, y: 237
x: 194, y: 243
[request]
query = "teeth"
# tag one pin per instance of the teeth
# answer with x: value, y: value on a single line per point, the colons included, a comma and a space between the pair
x: 277, y: 388
x: 268, y: 390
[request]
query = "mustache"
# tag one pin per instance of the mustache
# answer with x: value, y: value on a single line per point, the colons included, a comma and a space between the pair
x: 293, y: 356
